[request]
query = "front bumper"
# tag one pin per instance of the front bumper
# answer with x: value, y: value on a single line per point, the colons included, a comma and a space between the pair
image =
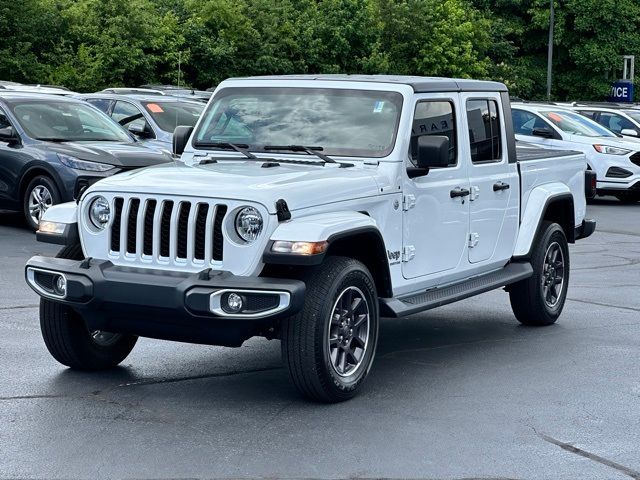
x: 168, y: 305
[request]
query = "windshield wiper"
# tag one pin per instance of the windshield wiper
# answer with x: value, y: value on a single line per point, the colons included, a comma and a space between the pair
x: 238, y: 147
x: 302, y: 148
x: 53, y: 139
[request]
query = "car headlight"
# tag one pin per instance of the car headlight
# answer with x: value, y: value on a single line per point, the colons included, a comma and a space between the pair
x: 99, y: 212
x: 76, y: 163
x: 248, y: 224
x: 611, y: 150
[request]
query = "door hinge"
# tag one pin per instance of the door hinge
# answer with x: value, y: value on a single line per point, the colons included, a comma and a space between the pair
x: 474, y: 238
x: 408, y: 202
x: 474, y: 193
x: 408, y: 253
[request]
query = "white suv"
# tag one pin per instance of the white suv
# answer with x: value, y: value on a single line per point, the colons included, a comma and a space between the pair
x: 615, y: 160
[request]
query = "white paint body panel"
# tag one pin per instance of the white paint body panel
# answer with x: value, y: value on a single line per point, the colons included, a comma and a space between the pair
x: 326, y: 200
x: 62, y: 213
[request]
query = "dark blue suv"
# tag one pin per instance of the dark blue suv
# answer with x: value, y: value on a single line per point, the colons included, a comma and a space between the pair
x: 48, y: 142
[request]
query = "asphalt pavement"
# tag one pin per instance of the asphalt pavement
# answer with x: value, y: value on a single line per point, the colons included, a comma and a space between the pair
x: 459, y: 392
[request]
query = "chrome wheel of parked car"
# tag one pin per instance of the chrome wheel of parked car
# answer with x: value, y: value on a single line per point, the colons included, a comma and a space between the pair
x: 40, y: 194
x: 348, y: 332
x: 40, y: 199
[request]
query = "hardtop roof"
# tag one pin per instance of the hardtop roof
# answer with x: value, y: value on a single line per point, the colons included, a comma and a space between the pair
x: 419, y: 84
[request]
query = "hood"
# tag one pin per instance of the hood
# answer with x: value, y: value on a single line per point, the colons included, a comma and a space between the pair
x: 611, y: 141
x: 301, y: 186
x: 113, y: 153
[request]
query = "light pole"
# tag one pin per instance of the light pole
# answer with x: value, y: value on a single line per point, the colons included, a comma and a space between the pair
x: 550, y: 54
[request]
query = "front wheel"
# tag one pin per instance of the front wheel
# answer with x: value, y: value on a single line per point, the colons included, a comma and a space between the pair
x: 40, y: 194
x: 328, y: 347
x: 71, y: 343
x: 538, y: 300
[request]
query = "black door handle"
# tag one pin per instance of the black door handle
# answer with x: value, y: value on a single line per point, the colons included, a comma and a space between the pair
x: 500, y: 186
x: 459, y: 192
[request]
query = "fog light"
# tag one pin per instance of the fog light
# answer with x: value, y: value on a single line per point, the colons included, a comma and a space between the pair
x: 60, y: 287
x: 234, y: 302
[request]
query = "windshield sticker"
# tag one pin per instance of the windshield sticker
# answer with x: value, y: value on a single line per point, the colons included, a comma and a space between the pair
x: 155, y: 108
x: 555, y: 117
x: 378, y: 106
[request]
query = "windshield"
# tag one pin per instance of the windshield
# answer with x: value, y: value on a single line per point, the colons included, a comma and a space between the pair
x: 635, y: 114
x: 168, y: 115
x: 342, y: 122
x: 576, y: 124
x: 66, y: 122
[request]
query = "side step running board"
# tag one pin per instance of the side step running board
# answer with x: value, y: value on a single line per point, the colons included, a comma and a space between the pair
x: 436, y: 297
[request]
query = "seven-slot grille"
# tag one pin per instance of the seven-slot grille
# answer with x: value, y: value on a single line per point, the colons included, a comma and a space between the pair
x: 172, y: 231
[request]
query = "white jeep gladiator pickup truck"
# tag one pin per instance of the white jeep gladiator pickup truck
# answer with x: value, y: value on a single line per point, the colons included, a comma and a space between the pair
x: 304, y: 208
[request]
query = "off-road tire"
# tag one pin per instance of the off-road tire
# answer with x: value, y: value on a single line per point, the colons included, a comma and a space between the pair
x: 39, y: 181
x: 69, y: 341
x: 305, y: 336
x: 528, y: 296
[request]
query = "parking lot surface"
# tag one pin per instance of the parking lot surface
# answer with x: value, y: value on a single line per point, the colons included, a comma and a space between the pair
x: 459, y: 392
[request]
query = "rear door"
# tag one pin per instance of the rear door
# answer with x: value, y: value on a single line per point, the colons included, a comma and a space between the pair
x: 13, y: 159
x: 494, y: 181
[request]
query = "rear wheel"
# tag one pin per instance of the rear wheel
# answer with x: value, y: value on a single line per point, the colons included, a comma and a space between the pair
x: 329, y: 346
x: 40, y: 194
x: 539, y: 300
x: 69, y: 340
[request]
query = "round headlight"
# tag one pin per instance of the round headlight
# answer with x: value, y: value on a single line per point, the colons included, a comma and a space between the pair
x: 248, y: 224
x: 99, y: 212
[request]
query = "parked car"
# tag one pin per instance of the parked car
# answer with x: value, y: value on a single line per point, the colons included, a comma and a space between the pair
x: 48, y: 142
x: 344, y: 199
x: 131, y: 91
x: 615, y: 161
x: 46, y: 89
x: 151, y: 118
x: 623, y: 120
x: 181, y: 92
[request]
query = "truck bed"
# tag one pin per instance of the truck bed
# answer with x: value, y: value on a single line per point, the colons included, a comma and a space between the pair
x: 551, y: 171
x: 527, y: 152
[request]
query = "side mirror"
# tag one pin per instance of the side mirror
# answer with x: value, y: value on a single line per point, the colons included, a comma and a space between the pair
x: 432, y: 152
x: 142, y: 131
x: 181, y: 137
x: 629, y: 132
x: 9, y: 135
x: 543, y: 132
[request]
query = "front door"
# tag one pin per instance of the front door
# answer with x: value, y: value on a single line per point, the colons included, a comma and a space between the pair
x: 494, y: 182
x: 435, y: 223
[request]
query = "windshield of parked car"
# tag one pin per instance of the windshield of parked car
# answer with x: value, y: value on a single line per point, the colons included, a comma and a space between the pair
x: 66, y: 122
x: 635, y: 114
x: 576, y: 124
x: 168, y: 115
x: 356, y: 123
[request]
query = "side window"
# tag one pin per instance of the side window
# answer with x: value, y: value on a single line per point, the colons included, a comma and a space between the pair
x: 484, y: 131
x: 4, y: 121
x: 434, y: 117
x: 588, y: 113
x: 128, y: 112
x: 525, y: 122
x: 100, y: 103
x: 614, y: 122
